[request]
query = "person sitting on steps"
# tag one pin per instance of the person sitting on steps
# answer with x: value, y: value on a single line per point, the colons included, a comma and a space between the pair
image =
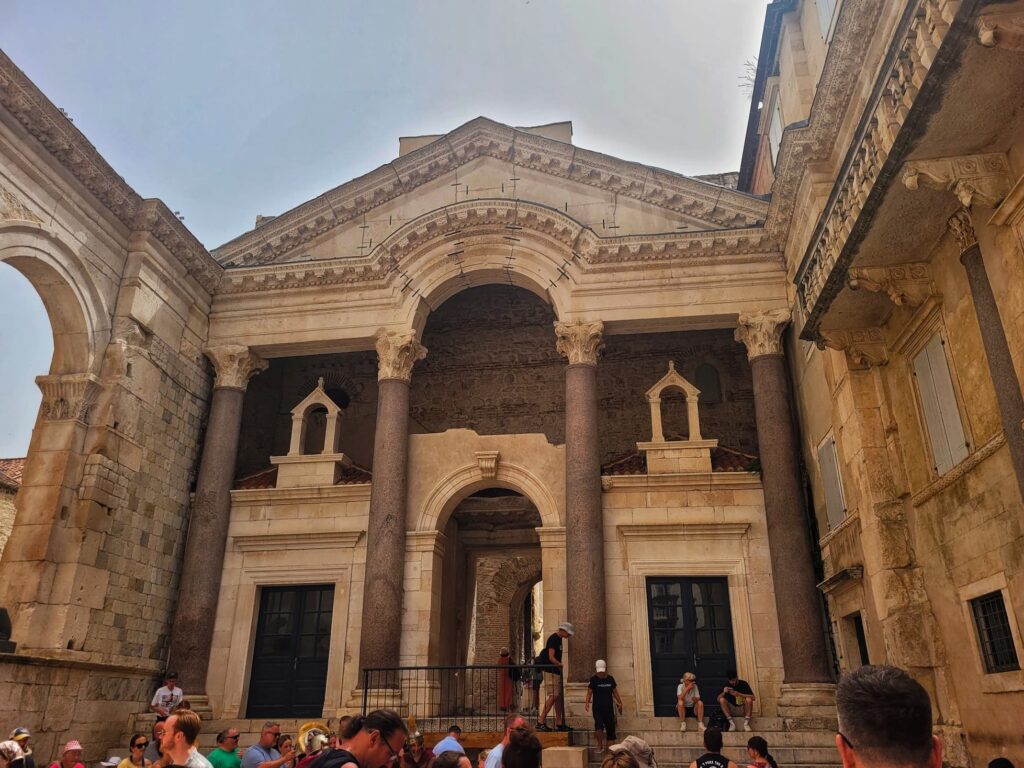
x: 737, y: 696
x: 688, y: 703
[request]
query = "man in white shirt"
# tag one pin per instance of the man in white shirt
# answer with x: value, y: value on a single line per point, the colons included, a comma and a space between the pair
x: 167, y: 697
x: 512, y: 722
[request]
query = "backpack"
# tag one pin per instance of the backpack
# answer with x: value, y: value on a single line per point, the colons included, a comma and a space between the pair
x: 334, y: 758
x: 719, y: 721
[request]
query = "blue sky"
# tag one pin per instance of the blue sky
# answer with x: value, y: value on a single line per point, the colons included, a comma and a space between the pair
x: 230, y: 109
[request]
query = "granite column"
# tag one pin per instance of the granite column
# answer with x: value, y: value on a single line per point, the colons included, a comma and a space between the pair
x: 381, y: 630
x: 797, y: 601
x: 199, y: 588
x: 582, y: 344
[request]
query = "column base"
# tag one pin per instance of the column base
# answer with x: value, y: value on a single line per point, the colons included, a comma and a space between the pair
x: 808, y: 706
x: 376, y: 698
x: 200, y: 704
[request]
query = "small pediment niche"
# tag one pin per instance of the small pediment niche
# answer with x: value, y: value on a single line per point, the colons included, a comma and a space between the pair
x: 313, y: 457
x: 676, y: 456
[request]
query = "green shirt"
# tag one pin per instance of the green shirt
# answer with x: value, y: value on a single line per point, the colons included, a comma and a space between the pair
x: 221, y: 759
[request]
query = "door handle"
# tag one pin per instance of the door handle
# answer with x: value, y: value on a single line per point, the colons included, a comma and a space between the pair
x: 295, y: 663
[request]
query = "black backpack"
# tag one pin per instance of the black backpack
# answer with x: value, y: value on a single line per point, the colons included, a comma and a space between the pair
x: 719, y: 721
x: 334, y: 758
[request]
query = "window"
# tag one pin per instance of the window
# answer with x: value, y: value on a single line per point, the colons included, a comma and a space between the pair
x: 775, y: 132
x: 708, y: 382
x: 939, y: 407
x: 826, y: 12
x: 994, y: 636
x: 828, y: 463
x: 855, y: 641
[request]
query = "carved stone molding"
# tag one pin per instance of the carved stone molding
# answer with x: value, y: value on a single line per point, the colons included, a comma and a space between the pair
x: 234, y: 365
x: 1002, y: 30
x: 488, y: 463
x: 69, y: 396
x: 865, y: 347
x: 983, y: 179
x: 397, y: 353
x: 906, y: 285
x: 761, y: 332
x: 12, y: 209
x: 962, y: 227
x: 580, y: 342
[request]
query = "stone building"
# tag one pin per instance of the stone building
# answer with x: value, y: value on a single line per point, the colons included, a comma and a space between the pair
x: 502, y: 382
x: 10, y: 481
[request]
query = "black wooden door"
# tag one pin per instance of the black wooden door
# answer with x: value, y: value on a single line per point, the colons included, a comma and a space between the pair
x: 289, y: 664
x: 690, y: 627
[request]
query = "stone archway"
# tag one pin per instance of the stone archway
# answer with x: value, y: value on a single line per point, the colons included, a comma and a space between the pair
x: 501, y: 586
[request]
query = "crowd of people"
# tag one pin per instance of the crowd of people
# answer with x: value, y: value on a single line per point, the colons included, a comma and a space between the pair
x: 884, y: 716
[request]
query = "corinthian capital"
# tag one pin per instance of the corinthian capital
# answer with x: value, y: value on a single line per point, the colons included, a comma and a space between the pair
x: 962, y: 227
x: 235, y: 365
x: 396, y: 354
x: 761, y: 332
x: 582, y: 343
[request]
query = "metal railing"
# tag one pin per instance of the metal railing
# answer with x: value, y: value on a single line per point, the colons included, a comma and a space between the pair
x: 476, y: 698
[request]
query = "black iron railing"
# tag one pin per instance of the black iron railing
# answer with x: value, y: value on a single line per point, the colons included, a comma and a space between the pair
x: 476, y: 698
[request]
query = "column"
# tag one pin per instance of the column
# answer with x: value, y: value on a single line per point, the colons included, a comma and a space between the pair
x: 993, y: 338
x: 199, y: 589
x: 380, y: 633
x: 797, y: 603
x: 582, y: 343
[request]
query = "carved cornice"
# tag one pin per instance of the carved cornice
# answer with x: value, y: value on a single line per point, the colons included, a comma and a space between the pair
x: 761, y: 332
x: 580, y: 342
x: 865, y: 347
x: 37, y: 114
x: 983, y: 179
x: 716, y: 207
x: 397, y: 353
x: 879, y: 145
x: 68, y: 396
x: 234, y: 365
x: 905, y: 285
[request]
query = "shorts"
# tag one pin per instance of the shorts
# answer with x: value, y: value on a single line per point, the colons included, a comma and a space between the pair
x: 552, y: 684
x: 604, y: 720
x: 690, y: 712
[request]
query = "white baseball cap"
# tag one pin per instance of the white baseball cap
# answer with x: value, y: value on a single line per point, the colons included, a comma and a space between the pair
x: 600, y: 665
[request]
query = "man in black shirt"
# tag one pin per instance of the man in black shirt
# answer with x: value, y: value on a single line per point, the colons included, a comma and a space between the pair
x: 603, y: 690
x: 737, y: 696
x: 712, y: 757
x: 549, y: 661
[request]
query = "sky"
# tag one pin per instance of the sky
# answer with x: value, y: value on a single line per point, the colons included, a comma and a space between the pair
x: 234, y: 108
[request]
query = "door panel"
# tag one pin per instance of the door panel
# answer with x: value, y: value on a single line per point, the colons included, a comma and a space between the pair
x: 290, y: 654
x: 690, y: 631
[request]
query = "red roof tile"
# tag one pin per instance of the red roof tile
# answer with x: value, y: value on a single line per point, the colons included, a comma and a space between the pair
x: 722, y: 460
x: 267, y: 478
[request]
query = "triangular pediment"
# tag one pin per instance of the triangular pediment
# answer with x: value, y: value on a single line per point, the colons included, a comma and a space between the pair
x: 486, y: 159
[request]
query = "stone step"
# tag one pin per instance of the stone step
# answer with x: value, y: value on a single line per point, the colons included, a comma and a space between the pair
x: 692, y: 737
x: 784, y: 755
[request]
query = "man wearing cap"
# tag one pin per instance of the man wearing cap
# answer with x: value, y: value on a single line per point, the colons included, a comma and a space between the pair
x: 605, y: 694
x: 23, y: 737
x: 550, y: 662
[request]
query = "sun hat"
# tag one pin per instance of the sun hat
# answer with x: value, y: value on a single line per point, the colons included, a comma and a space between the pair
x: 71, y: 745
x: 20, y: 734
x: 568, y: 628
x: 600, y: 665
x: 638, y: 748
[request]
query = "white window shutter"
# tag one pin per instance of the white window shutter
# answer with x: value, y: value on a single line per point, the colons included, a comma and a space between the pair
x: 938, y: 402
x: 775, y: 131
x: 828, y: 463
x: 826, y: 10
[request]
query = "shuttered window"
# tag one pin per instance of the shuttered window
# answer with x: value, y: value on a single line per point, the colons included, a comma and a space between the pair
x: 938, y: 404
x: 826, y: 10
x: 828, y: 463
x: 775, y: 132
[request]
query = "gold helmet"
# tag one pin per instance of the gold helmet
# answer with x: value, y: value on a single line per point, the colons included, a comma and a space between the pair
x: 312, y: 728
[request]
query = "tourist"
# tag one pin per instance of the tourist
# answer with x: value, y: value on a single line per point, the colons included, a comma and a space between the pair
x: 512, y: 722
x: 368, y: 741
x: 70, y: 756
x: 712, y: 757
x: 688, y: 703
x: 757, y: 749
x: 136, y: 752
x: 9, y: 752
x: 638, y: 749
x: 263, y: 753
x: 316, y: 743
x: 523, y: 750
x: 180, y: 739
x: 153, y: 753
x: 481, y: 759
x: 450, y: 743
x: 737, y: 696
x: 451, y: 759
x: 605, y: 693
x: 225, y: 755
x: 415, y: 754
x: 885, y: 719
x: 620, y: 759
x: 550, y: 662
x: 505, y: 681
x: 167, y: 698
x: 285, y: 744
x: 27, y: 759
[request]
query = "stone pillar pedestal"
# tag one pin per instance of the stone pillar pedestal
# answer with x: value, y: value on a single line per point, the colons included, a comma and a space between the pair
x: 798, y: 604
x: 380, y: 634
x: 808, y: 706
x: 192, y: 633
x: 582, y: 343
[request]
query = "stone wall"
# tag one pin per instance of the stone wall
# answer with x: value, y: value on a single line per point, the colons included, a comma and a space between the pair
x: 6, y: 515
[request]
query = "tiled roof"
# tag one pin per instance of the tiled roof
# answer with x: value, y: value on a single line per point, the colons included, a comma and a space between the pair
x: 10, y: 473
x: 722, y: 460
x: 267, y: 478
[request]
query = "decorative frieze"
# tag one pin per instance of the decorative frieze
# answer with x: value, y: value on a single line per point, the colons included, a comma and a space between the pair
x: 69, y: 396
x: 397, y: 353
x: 580, y: 342
x: 761, y: 332
x: 234, y: 365
x: 905, y: 285
x: 983, y: 179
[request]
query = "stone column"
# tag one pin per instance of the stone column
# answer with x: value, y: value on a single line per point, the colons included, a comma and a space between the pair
x: 993, y: 337
x: 192, y: 633
x: 582, y: 343
x: 380, y: 633
x: 798, y: 605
